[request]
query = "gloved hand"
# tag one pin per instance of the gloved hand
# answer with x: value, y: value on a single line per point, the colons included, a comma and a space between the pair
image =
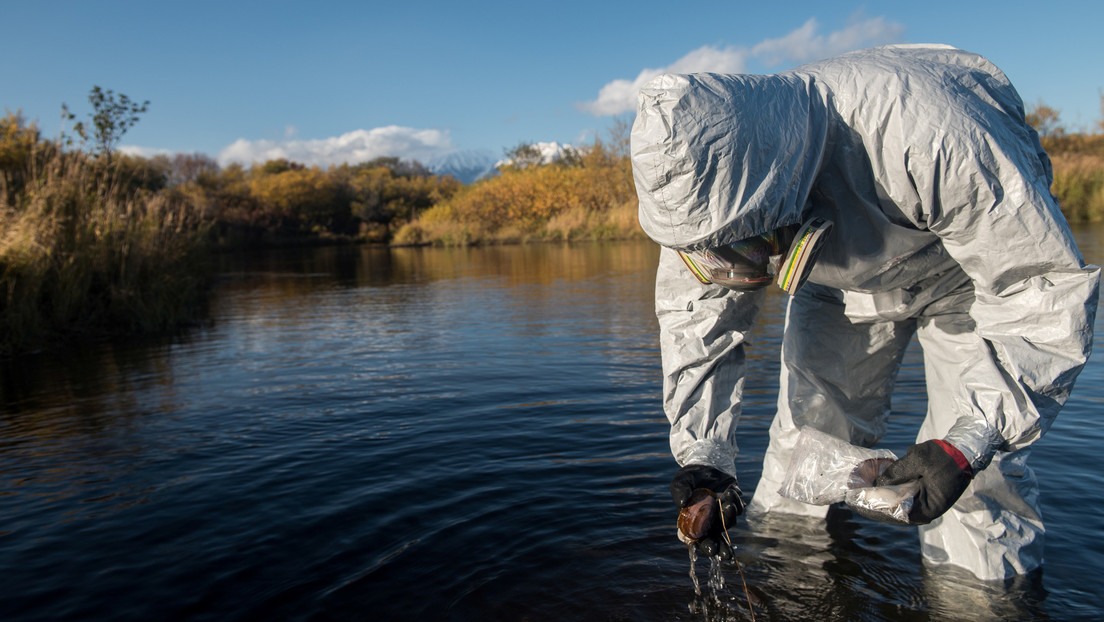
x: 942, y: 471
x: 695, y: 476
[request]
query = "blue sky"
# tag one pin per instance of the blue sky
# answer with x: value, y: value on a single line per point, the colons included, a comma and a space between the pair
x: 329, y: 81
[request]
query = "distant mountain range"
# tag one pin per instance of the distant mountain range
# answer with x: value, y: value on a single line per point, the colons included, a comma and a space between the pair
x: 472, y: 165
x: 467, y: 166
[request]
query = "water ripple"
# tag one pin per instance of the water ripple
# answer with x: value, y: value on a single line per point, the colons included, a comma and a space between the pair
x: 444, y: 434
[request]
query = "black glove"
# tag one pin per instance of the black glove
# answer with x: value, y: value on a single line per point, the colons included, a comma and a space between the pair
x: 695, y: 476
x: 941, y: 470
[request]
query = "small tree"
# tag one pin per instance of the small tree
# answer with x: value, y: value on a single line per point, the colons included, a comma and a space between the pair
x: 524, y: 155
x: 620, y: 132
x: 190, y: 168
x: 1044, y: 119
x: 112, y: 116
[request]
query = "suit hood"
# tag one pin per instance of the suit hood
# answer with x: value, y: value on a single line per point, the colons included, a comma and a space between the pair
x: 719, y: 158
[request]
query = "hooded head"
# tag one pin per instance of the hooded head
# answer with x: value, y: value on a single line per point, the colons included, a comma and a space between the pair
x: 721, y: 158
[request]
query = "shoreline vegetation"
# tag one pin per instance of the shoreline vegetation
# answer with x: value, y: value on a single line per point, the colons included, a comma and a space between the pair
x: 95, y: 243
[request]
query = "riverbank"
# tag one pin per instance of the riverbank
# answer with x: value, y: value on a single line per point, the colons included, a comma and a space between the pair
x: 93, y: 246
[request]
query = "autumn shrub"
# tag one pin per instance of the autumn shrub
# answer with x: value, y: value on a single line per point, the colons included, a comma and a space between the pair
x: 21, y: 152
x: 558, y: 201
x: 439, y: 225
x: 309, y: 195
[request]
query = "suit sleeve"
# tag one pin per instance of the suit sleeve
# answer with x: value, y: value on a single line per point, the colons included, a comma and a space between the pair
x: 985, y: 190
x: 703, y: 332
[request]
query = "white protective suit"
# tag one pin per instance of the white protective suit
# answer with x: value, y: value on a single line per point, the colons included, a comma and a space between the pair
x: 945, y: 228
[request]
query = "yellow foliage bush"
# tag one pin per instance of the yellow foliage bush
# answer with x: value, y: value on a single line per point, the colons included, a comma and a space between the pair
x: 309, y: 193
x: 552, y: 201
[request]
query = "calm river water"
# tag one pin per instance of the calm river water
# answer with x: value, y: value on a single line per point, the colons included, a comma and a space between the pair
x: 428, y: 434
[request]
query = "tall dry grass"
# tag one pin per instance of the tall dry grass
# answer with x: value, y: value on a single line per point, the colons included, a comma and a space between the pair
x: 1079, y: 185
x: 82, y: 252
x: 618, y: 222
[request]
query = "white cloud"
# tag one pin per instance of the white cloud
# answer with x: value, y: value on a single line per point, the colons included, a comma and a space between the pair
x: 804, y: 44
x: 801, y: 45
x: 405, y: 143
x: 144, y: 152
x: 706, y: 58
x: 620, y: 95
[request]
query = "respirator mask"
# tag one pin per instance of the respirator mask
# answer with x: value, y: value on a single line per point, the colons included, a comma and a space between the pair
x: 785, y: 255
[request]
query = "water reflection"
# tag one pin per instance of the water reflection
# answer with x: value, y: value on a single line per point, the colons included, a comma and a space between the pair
x: 372, y: 266
x: 83, y: 376
x: 952, y: 593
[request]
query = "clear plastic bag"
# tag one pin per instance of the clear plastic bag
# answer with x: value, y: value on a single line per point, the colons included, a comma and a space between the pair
x: 824, y: 470
x: 888, y: 504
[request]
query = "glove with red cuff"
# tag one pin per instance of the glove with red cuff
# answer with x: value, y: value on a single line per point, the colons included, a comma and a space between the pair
x: 942, y: 471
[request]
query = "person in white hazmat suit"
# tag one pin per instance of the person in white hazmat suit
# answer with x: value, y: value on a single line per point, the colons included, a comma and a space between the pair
x: 892, y: 191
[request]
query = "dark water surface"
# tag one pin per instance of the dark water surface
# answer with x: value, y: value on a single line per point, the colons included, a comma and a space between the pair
x: 428, y: 434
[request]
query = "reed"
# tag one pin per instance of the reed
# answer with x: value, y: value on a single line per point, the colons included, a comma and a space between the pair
x: 85, y: 253
x: 1079, y: 184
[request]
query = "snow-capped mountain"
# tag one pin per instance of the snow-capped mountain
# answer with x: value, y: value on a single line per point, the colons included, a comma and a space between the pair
x: 474, y: 164
x: 541, y: 153
x: 467, y: 166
